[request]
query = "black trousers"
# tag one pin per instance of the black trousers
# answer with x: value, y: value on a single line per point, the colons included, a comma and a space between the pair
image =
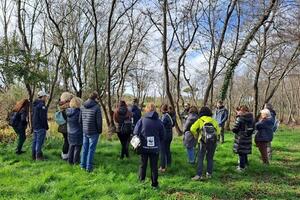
x: 153, y: 157
x: 165, y: 155
x: 124, y: 140
x: 65, y: 148
x: 74, y: 154
x: 22, y: 137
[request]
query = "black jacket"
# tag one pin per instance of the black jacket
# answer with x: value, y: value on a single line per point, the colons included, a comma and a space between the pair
x: 243, y: 129
x: 22, y: 119
x: 151, y: 132
x: 39, y: 115
x: 74, y: 127
x: 91, y: 118
x: 137, y: 114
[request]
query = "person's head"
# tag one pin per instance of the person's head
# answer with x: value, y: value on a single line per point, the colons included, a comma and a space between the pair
x: 268, y: 106
x: 187, y: 106
x: 94, y: 96
x: 265, y: 113
x: 42, y: 95
x: 150, y: 107
x: 75, y: 102
x: 66, y: 97
x: 23, y: 104
x: 193, y: 109
x: 122, y: 103
x: 164, y: 108
x: 205, y: 111
x: 243, y: 109
x: 220, y: 104
x: 135, y: 101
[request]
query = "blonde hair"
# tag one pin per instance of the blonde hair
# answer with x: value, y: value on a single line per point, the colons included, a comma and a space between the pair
x: 150, y: 107
x: 266, y: 113
x: 66, y: 96
x: 75, y: 102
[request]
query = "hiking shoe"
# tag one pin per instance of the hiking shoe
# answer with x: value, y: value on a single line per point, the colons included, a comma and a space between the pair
x: 208, y: 175
x: 197, y: 178
x: 162, y: 170
x: 239, y: 169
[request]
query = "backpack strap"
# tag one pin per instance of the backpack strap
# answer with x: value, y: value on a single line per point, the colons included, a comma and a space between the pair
x: 170, y: 118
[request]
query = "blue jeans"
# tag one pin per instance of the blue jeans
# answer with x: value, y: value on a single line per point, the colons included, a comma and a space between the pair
x: 38, y: 141
x: 191, y: 154
x: 243, y: 160
x: 88, y: 151
x: 208, y: 151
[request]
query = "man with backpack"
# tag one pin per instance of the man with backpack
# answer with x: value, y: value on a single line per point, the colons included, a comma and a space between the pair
x: 221, y: 116
x: 207, y: 129
x: 39, y: 125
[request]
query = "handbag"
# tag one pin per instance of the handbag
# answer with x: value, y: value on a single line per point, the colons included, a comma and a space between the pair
x: 135, y: 142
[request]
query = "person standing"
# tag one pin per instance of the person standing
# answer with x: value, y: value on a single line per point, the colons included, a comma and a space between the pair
x: 20, y: 113
x: 264, y: 134
x: 221, y: 115
x: 243, y: 129
x: 184, y: 115
x: 208, y: 130
x: 165, y: 155
x: 122, y: 116
x: 275, y: 126
x: 91, y: 120
x: 151, y: 133
x: 136, y: 112
x: 189, y: 140
x: 75, y: 135
x: 64, y: 104
x: 39, y: 125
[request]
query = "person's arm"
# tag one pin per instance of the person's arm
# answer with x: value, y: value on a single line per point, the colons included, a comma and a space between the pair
x: 259, y: 125
x: 196, y: 126
x: 162, y: 132
x: 99, y: 120
x: 236, y: 126
x: 137, y: 127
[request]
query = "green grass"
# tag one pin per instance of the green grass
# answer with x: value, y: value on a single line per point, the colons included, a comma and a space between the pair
x: 21, y: 178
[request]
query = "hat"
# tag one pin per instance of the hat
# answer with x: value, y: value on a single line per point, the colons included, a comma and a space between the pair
x: 42, y: 94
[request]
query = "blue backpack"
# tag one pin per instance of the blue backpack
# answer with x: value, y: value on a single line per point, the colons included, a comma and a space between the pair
x: 59, y: 118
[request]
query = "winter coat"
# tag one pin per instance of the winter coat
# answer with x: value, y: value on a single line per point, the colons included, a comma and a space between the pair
x: 151, y: 132
x: 39, y: 115
x: 264, y: 130
x: 21, y: 119
x: 243, y: 129
x: 189, y: 140
x: 273, y: 114
x: 73, y: 126
x: 121, y: 115
x: 196, y: 128
x: 91, y: 118
x: 221, y: 116
x: 168, y: 124
x: 136, y: 113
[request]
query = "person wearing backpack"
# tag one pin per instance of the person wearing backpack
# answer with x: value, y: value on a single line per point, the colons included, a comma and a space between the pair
x: 122, y: 116
x: 150, y: 130
x: 221, y: 115
x: 189, y: 140
x: 136, y: 112
x: 74, y: 131
x: 264, y: 134
x: 207, y: 130
x: 91, y: 120
x: 18, y: 121
x: 39, y: 125
x: 243, y: 130
x: 64, y: 104
x: 165, y: 155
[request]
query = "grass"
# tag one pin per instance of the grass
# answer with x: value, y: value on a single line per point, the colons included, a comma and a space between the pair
x: 21, y: 178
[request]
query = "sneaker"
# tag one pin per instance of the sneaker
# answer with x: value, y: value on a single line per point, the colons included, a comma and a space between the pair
x: 64, y: 156
x: 208, y: 175
x: 162, y: 170
x: 197, y: 178
x: 239, y: 169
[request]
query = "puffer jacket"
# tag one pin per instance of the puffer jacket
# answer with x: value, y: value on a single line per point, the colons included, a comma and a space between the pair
x: 91, y: 118
x: 189, y: 140
x: 151, y: 132
x: 264, y: 130
x: 243, y: 129
x: 74, y: 126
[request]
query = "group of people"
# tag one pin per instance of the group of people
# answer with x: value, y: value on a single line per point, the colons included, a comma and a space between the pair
x: 81, y: 125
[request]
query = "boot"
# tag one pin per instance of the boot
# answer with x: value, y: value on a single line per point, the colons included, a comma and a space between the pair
x: 39, y: 156
x: 33, y: 155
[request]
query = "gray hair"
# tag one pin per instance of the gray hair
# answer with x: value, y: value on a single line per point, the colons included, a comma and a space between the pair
x: 266, y: 112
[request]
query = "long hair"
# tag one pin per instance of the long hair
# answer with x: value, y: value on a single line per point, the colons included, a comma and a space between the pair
x: 24, y: 103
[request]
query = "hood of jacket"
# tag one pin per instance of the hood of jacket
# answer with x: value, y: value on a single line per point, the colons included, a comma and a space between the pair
x: 72, y: 111
x: 152, y: 115
x: 38, y: 103
x: 90, y: 103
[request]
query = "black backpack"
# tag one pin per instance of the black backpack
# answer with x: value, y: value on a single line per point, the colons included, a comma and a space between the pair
x: 209, y: 134
x: 126, y: 127
x: 13, y: 119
